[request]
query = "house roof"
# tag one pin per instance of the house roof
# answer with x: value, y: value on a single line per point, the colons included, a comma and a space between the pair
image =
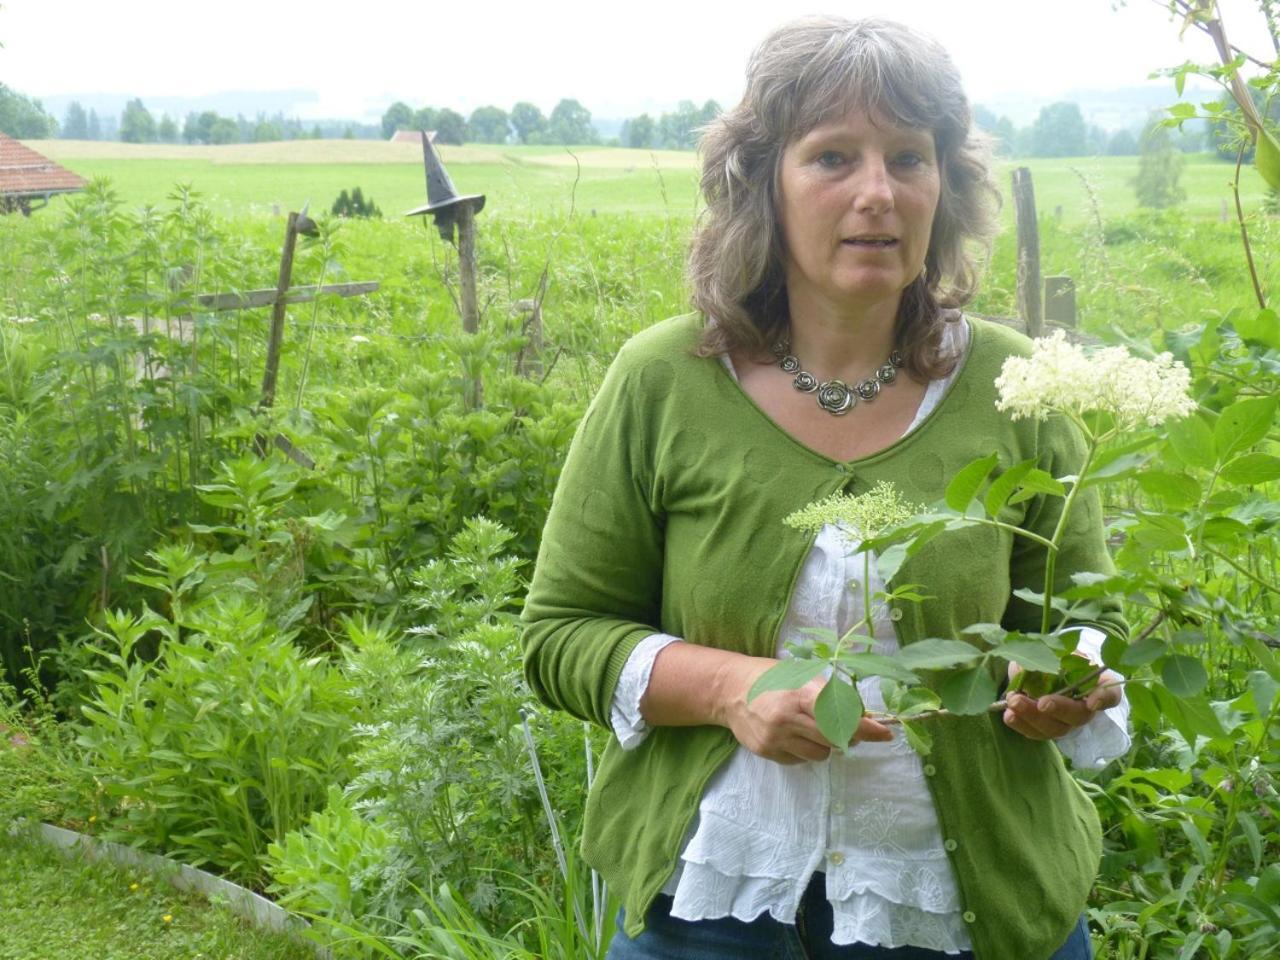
x: 412, y: 136
x: 26, y: 173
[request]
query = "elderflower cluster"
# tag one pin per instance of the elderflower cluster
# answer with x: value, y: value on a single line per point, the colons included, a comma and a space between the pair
x: 865, y: 516
x: 1059, y: 377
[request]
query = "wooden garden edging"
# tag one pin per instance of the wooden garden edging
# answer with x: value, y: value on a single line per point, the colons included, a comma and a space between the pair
x: 254, y: 908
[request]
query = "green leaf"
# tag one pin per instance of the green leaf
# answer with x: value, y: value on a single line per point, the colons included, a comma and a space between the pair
x: 1268, y: 886
x: 1263, y: 689
x: 1028, y: 654
x: 1184, y: 676
x: 964, y: 485
x: 1144, y: 651
x: 1177, y: 490
x: 1004, y: 485
x: 1252, y: 468
x: 1182, y: 111
x: 1113, y: 651
x: 933, y: 654
x: 920, y: 739
x: 1036, y: 482
x: 786, y: 675
x: 838, y: 710
x: 1262, y: 327
x: 1243, y: 424
x: 877, y: 665
x: 968, y: 692
x: 1192, y: 441
x: 1266, y: 158
x: 1252, y: 837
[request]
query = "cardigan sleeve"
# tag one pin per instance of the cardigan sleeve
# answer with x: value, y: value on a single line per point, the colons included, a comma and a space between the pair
x: 597, y: 584
x: 1083, y: 548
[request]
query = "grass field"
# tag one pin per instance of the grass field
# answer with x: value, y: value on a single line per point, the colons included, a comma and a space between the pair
x: 251, y: 178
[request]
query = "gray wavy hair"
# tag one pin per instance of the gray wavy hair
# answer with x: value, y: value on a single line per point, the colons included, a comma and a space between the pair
x: 804, y: 73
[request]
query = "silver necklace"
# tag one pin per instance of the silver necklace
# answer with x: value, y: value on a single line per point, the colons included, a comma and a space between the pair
x: 835, y: 396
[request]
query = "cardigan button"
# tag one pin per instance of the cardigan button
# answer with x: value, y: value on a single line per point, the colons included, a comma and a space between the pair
x: 970, y: 916
x: 836, y: 858
x: 950, y: 845
x: 841, y: 468
x: 930, y: 769
x: 895, y: 614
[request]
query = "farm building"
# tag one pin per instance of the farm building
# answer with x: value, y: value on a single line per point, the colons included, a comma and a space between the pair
x: 28, y: 179
x: 412, y: 136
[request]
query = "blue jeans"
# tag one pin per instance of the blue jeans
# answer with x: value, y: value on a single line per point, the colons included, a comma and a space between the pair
x: 668, y: 938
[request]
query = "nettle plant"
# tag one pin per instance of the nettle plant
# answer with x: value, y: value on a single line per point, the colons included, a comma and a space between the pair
x: 1130, y: 395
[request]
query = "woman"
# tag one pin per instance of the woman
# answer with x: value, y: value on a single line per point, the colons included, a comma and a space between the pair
x: 841, y: 196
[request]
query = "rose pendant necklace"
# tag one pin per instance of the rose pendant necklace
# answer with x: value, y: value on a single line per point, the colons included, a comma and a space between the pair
x: 835, y: 396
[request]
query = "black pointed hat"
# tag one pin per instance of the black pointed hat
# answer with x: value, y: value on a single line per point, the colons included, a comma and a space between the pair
x: 442, y: 197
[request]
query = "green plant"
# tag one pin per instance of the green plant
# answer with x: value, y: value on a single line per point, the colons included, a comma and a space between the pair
x: 224, y: 742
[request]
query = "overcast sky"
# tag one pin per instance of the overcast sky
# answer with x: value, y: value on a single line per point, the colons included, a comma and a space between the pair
x: 616, y: 58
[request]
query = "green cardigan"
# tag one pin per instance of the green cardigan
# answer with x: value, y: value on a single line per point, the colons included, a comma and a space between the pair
x: 668, y: 517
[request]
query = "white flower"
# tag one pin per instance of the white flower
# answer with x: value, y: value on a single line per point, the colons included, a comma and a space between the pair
x: 359, y: 338
x: 22, y: 320
x: 1059, y: 377
x: 865, y: 516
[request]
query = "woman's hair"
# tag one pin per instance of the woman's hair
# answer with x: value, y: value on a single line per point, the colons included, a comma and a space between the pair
x: 805, y: 73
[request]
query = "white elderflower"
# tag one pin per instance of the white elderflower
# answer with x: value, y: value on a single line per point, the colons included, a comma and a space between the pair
x: 865, y: 516
x: 1059, y: 377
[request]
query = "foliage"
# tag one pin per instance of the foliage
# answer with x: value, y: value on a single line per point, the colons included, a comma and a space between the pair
x: 570, y: 123
x: 222, y: 740
x: 1159, y: 169
x: 398, y: 116
x: 75, y: 126
x: 23, y: 117
x: 528, y: 122
x: 355, y: 205
x: 136, y: 123
x: 488, y: 125
x: 450, y: 126
x: 1058, y: 131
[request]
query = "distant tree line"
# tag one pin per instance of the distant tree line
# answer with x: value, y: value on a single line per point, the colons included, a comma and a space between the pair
x: 569, y: 122
x: 678, y: 130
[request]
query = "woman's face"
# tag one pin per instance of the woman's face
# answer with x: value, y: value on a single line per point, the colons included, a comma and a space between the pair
x: 858, y: 195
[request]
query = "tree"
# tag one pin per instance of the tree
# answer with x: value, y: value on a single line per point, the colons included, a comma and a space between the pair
x: 529, y: 123
x: 450, y: 127
x: 198, y: 128
x: 1059, y: 131
x: 137, y: 125
x: 95, y: 126
x: 678, y: 130
x: 224, y: 130
x: 489, y: 125
x: 639, y: 132
x: 23, y: 117
x: 1122, y: 144
x: 266, y: 132
x: 426, y: 119
x: 167, y: 131
x: 399, y: 116
x: 1159, y: 168
x: 1095, y: 140
x: 75, y: 126
x: 570, y: 122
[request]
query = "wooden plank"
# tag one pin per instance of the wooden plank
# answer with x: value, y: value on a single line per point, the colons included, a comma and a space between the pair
x: 249, y: 299
x: 276, y: 336
x: 1029, y: 300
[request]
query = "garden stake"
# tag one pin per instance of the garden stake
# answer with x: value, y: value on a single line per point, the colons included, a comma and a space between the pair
x: 449, y: 209
x: 551, y: 819
x: 1024, y: 199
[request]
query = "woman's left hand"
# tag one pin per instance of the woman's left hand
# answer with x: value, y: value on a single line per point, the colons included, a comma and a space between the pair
x: 1051, y: 716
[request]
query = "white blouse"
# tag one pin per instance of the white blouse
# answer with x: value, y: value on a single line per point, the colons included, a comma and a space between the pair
x: 864, y: 816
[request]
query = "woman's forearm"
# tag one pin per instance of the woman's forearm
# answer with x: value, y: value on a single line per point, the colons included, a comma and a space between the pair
x: 692, y: 685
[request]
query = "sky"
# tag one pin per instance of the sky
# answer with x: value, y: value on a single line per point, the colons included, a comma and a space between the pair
x: 618, y: 59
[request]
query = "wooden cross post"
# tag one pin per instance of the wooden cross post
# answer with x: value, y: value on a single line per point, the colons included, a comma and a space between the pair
x: 1029, y: 301
x: 276, y: 337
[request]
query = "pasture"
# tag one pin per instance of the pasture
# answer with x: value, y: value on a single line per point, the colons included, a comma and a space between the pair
x: 306, y: 676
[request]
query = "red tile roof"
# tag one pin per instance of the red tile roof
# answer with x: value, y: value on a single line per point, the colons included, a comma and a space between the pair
x: 411, y: 136
x: 25, y: 173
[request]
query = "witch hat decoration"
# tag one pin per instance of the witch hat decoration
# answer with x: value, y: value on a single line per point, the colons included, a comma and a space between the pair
x: 442, y: 197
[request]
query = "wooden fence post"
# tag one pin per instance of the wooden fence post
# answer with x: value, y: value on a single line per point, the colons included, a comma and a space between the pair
x: 1024, y: 201
x: 276, y: 336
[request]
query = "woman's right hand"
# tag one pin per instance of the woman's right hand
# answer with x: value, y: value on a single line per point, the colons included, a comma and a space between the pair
x: 779, y: 725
